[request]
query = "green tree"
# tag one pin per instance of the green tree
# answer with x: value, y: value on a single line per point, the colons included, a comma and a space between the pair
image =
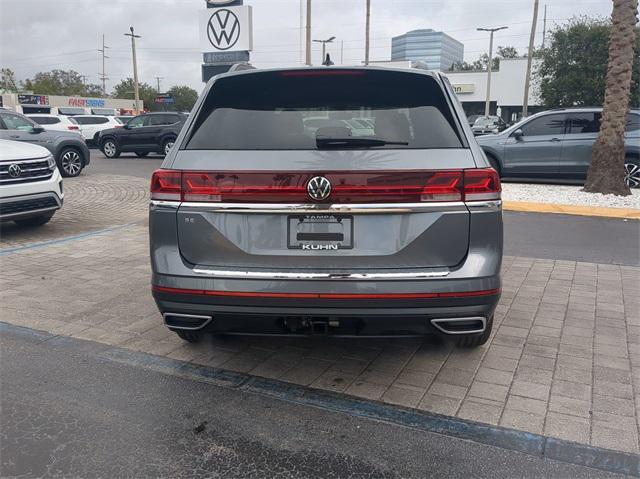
x: 60, y: 82
x: 573, y: 66
x: 147, y: 93
x: 8, y: 80
x: 184, y: 96
x: 483, y: 61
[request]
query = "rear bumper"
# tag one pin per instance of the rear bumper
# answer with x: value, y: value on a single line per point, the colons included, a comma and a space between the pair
x: 343, y: 317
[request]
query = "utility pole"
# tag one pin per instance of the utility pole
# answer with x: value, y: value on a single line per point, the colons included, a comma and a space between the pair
x: 136, y: 93
x: 324, y: 47
x: 544, y: 25
x: 301, y: 30
x: 158, y: 80
x: 308, y: 52
x: 84, y: 79
x: 366, y: 33
x: 527, y: 78
x: 103, y: 75
x: 341, y: 52
x: 487, y: 103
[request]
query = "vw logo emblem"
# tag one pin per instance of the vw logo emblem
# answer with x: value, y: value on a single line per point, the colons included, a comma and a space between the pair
x: 223, y: 29
x: 14, y: 171
x: 318, y: 188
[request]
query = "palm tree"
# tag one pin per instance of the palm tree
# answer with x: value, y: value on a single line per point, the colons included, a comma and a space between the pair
x: 606, y: 173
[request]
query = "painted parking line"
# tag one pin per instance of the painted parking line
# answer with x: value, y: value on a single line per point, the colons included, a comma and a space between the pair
x: 531, y: 207
x: 506, y: 438
x: 67, y: 239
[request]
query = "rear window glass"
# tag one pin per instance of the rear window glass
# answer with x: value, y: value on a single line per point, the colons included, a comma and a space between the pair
x: 289, y: 110
x: 45, y: 120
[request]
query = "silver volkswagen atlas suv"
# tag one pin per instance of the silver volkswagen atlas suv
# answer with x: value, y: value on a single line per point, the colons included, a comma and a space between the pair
x: 259, y: 225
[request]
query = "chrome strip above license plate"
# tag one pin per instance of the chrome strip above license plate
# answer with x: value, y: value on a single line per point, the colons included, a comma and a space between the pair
x: 408, y: 276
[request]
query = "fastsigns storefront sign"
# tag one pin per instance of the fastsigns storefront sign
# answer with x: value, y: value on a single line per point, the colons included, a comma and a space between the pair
x: 226, y: 29
x: 87, y: 102
x: 464, y: 88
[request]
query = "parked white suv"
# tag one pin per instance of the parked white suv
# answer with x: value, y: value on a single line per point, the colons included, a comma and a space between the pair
x: 92, y: 125
x: 30, y: 184
x: 56, y: 122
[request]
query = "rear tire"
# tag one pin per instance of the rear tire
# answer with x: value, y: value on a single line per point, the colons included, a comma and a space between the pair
x: 110, y: 148
x: 475, y: 340
x: 494, y: 164
x: 141, y: 154
x: 71, y: 162
x: 190, y: 336
x: 167, y: 145
x: 632, y: 172
x: 35, y: 221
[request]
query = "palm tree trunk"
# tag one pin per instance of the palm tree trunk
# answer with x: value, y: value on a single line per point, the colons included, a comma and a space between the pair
x: 606, y: 173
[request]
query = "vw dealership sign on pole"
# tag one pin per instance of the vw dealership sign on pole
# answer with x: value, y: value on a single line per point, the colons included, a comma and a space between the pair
x: 226, y: 35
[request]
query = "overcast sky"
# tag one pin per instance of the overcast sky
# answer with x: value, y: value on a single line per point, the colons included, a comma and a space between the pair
x: 40, y: 35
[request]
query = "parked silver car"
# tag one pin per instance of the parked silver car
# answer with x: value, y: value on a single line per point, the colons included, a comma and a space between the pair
x: 259, y: 226
x: 555, y: 145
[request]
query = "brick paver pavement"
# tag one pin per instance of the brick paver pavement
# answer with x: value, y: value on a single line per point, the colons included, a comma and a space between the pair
x: 564, y: 358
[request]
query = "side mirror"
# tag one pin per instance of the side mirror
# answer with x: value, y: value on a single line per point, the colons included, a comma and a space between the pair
x: 37, y: 129
x: 518, y: 134
x: 126, y: 126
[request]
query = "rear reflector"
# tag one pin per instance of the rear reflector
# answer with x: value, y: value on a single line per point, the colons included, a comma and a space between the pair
x: 247, y: 294
x: 73, y: 127
x: 346, y: 187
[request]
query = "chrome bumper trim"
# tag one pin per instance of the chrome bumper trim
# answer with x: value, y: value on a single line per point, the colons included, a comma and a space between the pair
x: 272, y: 275
x: 206, y: 320
x: 290, y: 208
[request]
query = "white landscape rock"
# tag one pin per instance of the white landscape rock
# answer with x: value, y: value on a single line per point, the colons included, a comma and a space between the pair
x: 567, y: 195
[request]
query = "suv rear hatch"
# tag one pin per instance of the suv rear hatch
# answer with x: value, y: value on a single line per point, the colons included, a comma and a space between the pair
x: 248, y: 171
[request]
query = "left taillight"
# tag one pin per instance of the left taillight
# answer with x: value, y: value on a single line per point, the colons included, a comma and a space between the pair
x: 166, y: 185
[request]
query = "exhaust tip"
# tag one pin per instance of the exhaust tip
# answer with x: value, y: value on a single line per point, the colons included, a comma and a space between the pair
x: 471, y: 325
x: 189, y: 322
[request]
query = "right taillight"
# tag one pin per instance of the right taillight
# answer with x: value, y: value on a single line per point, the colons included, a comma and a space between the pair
x: 481, y: 184
x: 166, y: 185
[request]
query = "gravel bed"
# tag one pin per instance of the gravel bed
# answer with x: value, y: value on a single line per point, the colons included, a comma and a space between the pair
x: 567, y: 195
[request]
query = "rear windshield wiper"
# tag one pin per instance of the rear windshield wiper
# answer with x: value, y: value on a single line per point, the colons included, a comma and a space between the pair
x: 354, y: 142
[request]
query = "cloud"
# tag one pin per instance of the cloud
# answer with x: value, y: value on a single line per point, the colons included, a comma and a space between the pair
x: 39, y: 35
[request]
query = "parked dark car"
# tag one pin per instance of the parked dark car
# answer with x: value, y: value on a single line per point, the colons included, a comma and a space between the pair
x: 143, y: 134
x: 67, y: 147
x: 486, y: 125
x: 556, y: 145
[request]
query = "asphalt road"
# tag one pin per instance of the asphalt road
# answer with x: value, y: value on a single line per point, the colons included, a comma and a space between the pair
x: 66, y: 412
x: 552, y: 236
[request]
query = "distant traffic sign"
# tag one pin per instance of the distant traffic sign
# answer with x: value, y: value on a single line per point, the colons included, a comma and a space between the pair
x: 164, y: 98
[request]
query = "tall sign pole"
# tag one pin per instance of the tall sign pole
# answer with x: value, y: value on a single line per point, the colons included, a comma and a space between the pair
x: 136, y: 93
x: 487, y: 103
x: 366, y: 33
x: 527, y: 78
x: 308, y: 49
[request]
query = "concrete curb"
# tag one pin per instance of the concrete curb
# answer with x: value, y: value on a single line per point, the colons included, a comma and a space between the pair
x: 531, y: 207
x: 505, y: 438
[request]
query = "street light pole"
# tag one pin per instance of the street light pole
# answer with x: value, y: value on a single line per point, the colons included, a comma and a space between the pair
x: 527, y: 78
x: 487, y: 103
x: 136, y: 93
x: 324, y: 47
